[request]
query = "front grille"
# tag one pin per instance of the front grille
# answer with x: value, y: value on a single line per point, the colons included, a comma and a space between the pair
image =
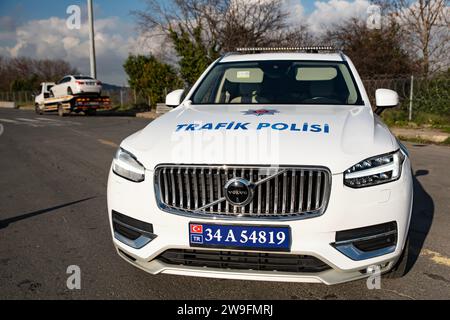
x: 279, y: 192
x: 243, y: 260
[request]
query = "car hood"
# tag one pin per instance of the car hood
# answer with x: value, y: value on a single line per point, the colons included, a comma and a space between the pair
x: 335, y: 137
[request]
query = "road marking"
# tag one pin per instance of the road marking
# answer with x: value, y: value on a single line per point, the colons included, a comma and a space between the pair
x: 27, y: 120
x: 53, y: 121
x: 108, y: 143
x: 399, y: 293
x: 39, y: 122
x: 8, y: 121
x: 436, y: 257
x: 45, y: 119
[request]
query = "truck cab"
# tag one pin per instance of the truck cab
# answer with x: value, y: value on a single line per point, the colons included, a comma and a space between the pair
x: 43, y: 93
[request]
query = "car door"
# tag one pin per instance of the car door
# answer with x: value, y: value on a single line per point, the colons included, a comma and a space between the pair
x: 65, y: 85
x: 56, y: 88
x: 60, y: 89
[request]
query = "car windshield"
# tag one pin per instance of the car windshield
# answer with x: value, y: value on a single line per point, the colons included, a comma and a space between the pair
x: 83, y: 78
x: 278, y: 82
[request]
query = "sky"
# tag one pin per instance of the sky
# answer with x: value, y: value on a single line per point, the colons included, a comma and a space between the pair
x: 37, y: 29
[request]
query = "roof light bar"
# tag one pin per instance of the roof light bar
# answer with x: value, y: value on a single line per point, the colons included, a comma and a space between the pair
x: 287, y: 49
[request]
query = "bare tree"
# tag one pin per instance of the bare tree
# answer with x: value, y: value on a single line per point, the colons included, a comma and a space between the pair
x: 299, y: 36
x: 374, y: 52
x: 253, y: 23
x: 426, y: 26
x: 29, y: 72
x: 226, y: 24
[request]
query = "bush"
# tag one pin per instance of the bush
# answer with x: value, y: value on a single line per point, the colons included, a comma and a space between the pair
x: 432, y: 96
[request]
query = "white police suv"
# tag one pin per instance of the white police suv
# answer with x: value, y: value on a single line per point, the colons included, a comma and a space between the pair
x: 272, y: 167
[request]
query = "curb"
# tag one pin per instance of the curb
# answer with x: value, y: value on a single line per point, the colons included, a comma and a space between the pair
x: 147, y: 115
x: 431, y: 136
x: 8, y: 105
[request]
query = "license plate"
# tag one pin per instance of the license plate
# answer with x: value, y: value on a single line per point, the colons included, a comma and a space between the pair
x: 267, y: 238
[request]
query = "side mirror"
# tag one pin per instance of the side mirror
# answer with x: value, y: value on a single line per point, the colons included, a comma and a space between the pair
x: 46, y: 95
x: 173, y: 99
x: 385, y: 99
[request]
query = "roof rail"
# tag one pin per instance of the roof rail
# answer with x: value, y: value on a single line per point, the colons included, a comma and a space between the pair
x: 307, y: 49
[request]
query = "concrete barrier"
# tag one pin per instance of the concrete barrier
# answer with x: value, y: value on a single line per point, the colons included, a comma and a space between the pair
x: 8, y: 104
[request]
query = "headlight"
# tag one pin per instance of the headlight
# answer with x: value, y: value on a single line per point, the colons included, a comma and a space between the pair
x: 376, y: 170
x: 127, y: 166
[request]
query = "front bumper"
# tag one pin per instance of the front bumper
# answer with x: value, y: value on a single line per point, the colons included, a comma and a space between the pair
x: 347, y: 209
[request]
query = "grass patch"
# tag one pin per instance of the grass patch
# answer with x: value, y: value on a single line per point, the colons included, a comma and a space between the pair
x: 132, y: 108
x: 399, y: 118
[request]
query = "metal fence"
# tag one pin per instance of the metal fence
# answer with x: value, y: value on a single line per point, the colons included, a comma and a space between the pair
x: 416, y: 94
x: 126, y: 96
x: 19, y: 97
x: 122, y: 97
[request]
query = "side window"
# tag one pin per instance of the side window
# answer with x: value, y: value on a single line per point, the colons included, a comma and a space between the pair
x: 64, y: 80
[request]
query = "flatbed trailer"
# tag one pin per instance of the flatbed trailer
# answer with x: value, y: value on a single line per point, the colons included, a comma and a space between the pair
x: 75, y: 104
x: 88, y: 104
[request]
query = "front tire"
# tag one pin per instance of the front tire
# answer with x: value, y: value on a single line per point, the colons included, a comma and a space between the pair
x: 61, y: 111
x: 400, y: 268
x: 69, y: 91
x: 37, y: 109
x: 91, y: 112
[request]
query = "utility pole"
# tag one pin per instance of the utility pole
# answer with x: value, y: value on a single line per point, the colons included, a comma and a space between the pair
x: 92, y: 39
x: 411, y: 97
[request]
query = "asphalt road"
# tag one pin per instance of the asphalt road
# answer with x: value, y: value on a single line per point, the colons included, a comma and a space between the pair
x: 53, y: 174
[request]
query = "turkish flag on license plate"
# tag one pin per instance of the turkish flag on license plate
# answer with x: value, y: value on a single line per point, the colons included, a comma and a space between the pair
x: 196, y: 228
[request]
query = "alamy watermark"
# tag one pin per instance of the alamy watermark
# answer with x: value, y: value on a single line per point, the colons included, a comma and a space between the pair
x: 74, y: 280
x: 373, y: 21
x: 374, y: 280
x: 74, y: 20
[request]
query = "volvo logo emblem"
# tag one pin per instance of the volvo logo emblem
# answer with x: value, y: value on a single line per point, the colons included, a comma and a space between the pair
x: 239, y: 192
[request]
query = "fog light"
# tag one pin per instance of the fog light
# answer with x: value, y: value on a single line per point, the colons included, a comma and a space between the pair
x: 132, y: 232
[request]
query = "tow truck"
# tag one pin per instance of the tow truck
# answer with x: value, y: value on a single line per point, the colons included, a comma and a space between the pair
x: 87, y: 103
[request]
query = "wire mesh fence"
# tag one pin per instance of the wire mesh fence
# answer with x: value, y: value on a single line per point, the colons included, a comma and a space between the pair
x: 123, y: 97
x: 417, y: 94
x: 428, y: 95
x: 19, y: 97
x: 127, y: 97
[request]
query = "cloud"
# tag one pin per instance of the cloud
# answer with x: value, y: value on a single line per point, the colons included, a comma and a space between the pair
x: 296, y: 12
x: 327, y: 13
x: 51, y: 39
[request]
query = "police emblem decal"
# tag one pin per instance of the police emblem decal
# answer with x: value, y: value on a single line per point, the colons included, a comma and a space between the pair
x: 260, y: 112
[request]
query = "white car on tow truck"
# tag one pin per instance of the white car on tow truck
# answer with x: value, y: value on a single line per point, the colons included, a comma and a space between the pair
x: 272, y: 167
x: 76, y: 85
x: 65, y: 104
